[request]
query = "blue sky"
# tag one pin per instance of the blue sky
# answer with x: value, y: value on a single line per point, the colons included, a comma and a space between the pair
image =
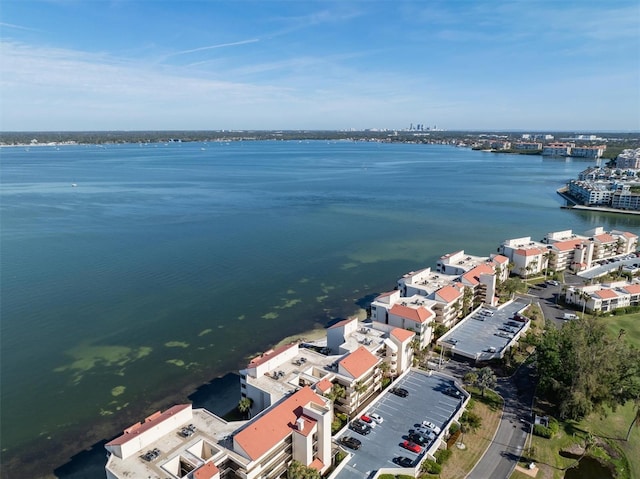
x: 217, y: 64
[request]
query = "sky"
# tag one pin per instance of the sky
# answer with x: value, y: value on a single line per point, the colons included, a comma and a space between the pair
x: 70, y: 65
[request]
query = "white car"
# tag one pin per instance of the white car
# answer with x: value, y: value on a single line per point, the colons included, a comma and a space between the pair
x: 377, y: 418
x: 432, y: 427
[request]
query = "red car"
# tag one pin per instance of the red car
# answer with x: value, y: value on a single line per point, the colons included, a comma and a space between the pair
x: 412, y: 446
x: 366, y: 419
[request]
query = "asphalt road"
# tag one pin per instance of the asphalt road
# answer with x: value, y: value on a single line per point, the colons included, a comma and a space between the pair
x: 508, y: 444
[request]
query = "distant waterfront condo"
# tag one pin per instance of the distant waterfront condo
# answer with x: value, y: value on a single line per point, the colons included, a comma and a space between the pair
x: 604, y: 297
x: 588, y: 151
x: 527, y: 146
x: 629, y: 159
x: 564, y: 250
x: 557, y: 149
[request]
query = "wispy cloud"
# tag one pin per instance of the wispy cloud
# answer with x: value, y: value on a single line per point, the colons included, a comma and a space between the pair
x: 17, y: 27
x: 213, y: 47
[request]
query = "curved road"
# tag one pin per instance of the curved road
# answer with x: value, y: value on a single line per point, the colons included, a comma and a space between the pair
x: 509, y: 441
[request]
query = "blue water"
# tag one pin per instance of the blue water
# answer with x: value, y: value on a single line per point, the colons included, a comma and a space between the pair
x: 169, y: 265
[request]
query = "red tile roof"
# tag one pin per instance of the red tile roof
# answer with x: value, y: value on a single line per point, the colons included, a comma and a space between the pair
x: 339, y: 324
x: 568, y: 244
x: 149, y: 423
x: 629, y: 235
x: 402, y: 334
x: 307, y: 425
x: 448, y: 294
x: 317, y: 464
x: 605, y: 238
x: 473, y: 275
x: 528, y: 252
x: 359, y: 362
x: 419, y: 315
x: 606, y: 294
x: 274, y: 425
x: 500, y: 259
x: 272, y: 353
x: 324, y: 385
x: 207, y: 471
x: 632, y: 288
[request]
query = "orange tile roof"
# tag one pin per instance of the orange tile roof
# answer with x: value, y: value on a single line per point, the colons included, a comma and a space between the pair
x: 568, y: 244
x: 359, y: 362
x: 473, y: 274
x: 419, y: 315
x: 528, y: 252
x: 324, y: 385
x: 388, y: 293
x: 402, y: 334
x: 317, y: 464
x: 605, y: 238
x: 272, y: 353
x: 448, y: 294
x: 632, y: 288
x: 500, y: 259
x: 629, y: 235
x: 606, y: 294
x: 207, y: 471
x: 149, y: 423
x: 267, y: 430
x: 449, y: 255
x: 308, y: 424
x: 342, y: 323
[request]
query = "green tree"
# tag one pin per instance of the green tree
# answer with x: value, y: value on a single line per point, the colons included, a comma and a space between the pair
x: 297, y: 470
x: 582, y: 368
x: 636, y: 418
x: 359, y: 387
x: 244, y: 405
x: 486, y: 379
x: 336, y: 392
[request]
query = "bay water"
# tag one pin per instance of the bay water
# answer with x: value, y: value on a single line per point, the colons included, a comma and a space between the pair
x: 131, y: 274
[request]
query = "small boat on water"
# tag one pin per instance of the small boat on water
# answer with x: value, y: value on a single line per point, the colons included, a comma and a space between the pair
x: 74, y: 184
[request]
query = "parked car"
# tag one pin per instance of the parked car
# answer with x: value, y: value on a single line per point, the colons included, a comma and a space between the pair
x: 432, y: 426
x: 377, y: 418
x: 403, y: 393
x: 425, y: 432
x: 453, y: 392
x: 360, y: 427
x: 351, y: 442
x: 366, y: 419
x: 419, y: 439
x: 412, y: 446
x: 403, y: 461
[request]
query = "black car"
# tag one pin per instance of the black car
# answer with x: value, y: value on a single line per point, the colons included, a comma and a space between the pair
x: 360, y: 427
x: 418, y: 439
x: 403, y: 393
x: 403, y: 461
x: 453, y: 392
x: 351, y: 442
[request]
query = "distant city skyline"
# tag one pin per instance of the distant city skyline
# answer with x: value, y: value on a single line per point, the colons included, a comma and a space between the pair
x: 540, y: 65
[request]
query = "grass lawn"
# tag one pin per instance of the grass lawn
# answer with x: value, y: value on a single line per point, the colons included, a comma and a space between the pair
x: 462, y: 461
x: 629, y: 322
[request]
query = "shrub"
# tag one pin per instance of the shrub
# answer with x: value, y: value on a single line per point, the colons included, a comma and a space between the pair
x: 432, y: 467
x: 540, y: 430
x: 404, y: 476
x: 442, y: 455
x: 455, y: 427
x: 386, y: 476
x: 554, y: 427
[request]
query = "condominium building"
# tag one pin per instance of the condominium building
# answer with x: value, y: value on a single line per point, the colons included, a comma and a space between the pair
x: 588, y: 151
x: 629, y: 158
x: 591, y: 192
x: 196, y: 444
x: 352, y: 356
x: 604, y: 297
x: 557, y: 149
x: 527, y: 146
x: 564, y: 250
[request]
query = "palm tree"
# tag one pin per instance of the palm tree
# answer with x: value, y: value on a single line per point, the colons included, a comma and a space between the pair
x: 244, y: 405
x: 359, y: 387
x: 336, y: 392
x: 636, y: 419
x: 485, y: 380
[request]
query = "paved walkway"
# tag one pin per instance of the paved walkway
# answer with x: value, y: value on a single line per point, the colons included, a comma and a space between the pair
x: 508, y: 444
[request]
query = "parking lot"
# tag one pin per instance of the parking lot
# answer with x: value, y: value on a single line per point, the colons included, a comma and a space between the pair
x: 483, y: 336
x: 427, y: 400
